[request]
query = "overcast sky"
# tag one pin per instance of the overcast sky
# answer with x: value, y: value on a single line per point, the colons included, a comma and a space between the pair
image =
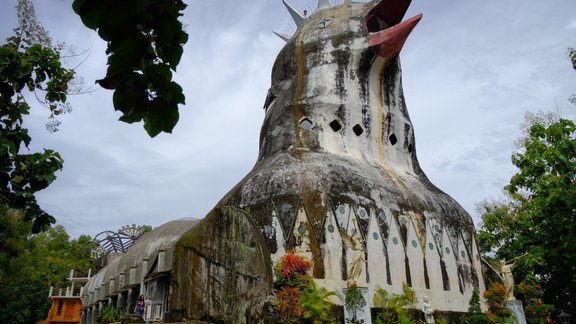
x: 471, y: 70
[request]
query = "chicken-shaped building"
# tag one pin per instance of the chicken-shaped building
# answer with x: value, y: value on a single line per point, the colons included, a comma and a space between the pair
x: 337, y: 163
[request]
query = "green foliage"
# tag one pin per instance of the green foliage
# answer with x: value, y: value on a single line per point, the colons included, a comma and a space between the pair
x: 547, y: 174
x: 498, y: 233
x: 477, y: 319
x: 572, y: 57
x: 539, y: 217
x: 110, y: 314
x: 474, y: 304
x: 475, y: 315
x: 28, y: 67
x: 145, y: 41
x: 495, y: 297
x: 393, y: 306
x: 36, y: 262
x: 354, y: 300
x: 147, y: 229
x: 530, y: 292
x: 404, y: 319
x: 314, y: 301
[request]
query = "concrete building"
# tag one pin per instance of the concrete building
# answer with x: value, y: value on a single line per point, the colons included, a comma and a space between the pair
x: 337, y: 180
x: 143, y: 270
x: 338, y: 159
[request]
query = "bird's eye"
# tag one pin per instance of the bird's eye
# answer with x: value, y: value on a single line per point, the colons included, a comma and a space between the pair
x: 374, y: 24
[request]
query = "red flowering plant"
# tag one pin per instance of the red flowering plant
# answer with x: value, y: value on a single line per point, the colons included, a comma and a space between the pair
x: 289, y: 308
x: 292, y: 270
x: 291, y: 275
x: 495, y: 297
x: 299, y: 299
x: 530, y: 291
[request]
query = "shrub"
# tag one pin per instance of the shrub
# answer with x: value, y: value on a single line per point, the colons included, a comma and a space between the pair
x: 393, y: 306
x: 110, y: 314
x: 495, y: 298
x: 314, y: 301
x: 530, y: 291
x: 292, y: 270
x: 475, y: 315
x: 354, y: 300
x: 298, y: 295
x: 289, y: 308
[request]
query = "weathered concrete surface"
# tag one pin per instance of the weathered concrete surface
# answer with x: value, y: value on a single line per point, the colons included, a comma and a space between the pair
x: 222, y: 270
x: 337, y: 153
x: 138, y: 264
x: 147, y: 262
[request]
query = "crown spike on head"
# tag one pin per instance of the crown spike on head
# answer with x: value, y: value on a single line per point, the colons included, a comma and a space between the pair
x: 284, y: 37
x: 296, y: 16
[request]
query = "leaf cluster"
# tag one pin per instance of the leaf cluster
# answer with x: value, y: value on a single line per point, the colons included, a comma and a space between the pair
x: 539, y: 218
x: 292, y: 270
x: 474, y: 303
x: 475, y: 314
x: 314, y: 301
x: 530, y: 291
x: 145, y: 41
x: 354, y: 299
x: 27, y: 67
x: 32, y: 264
x: 299, y: 299
x: 495, y: 297
x: 393, y: 306
x: 110, y: 314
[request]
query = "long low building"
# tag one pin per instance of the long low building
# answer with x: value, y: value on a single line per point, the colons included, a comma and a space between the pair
x: 187, y: 269
x: 145, y: 267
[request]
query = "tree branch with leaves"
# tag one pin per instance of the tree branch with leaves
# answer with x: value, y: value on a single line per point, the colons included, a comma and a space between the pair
x: 29, y: 67
x: 145, y: 41
x: 539, y: 218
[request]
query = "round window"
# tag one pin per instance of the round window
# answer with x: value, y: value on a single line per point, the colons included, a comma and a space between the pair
x: 330, y: 228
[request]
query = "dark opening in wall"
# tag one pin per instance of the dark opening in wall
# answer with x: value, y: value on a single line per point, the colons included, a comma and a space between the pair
x: 410, y: 148
x: 306, y: 123
x: 335, y: 125
x: 358, y: 130
x: 270, y: 97
x: 373, y: 24
x: 60, y: 305
x: 393, y: 139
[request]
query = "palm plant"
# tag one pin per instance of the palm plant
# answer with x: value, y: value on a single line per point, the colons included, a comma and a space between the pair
x: 315, y: 302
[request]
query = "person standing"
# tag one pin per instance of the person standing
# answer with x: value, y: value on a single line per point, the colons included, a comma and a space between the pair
x: 140, y: 306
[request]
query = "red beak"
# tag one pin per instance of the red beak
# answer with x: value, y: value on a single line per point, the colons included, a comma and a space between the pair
x: 387, y: 33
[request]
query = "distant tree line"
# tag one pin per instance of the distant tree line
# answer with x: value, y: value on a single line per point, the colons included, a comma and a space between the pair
x: 31, y: 264
x: 538, y: 215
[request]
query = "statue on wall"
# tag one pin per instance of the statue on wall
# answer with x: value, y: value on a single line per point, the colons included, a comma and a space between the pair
x: 427, y: 310
x: 504, y: 271
x: 356, y: 247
